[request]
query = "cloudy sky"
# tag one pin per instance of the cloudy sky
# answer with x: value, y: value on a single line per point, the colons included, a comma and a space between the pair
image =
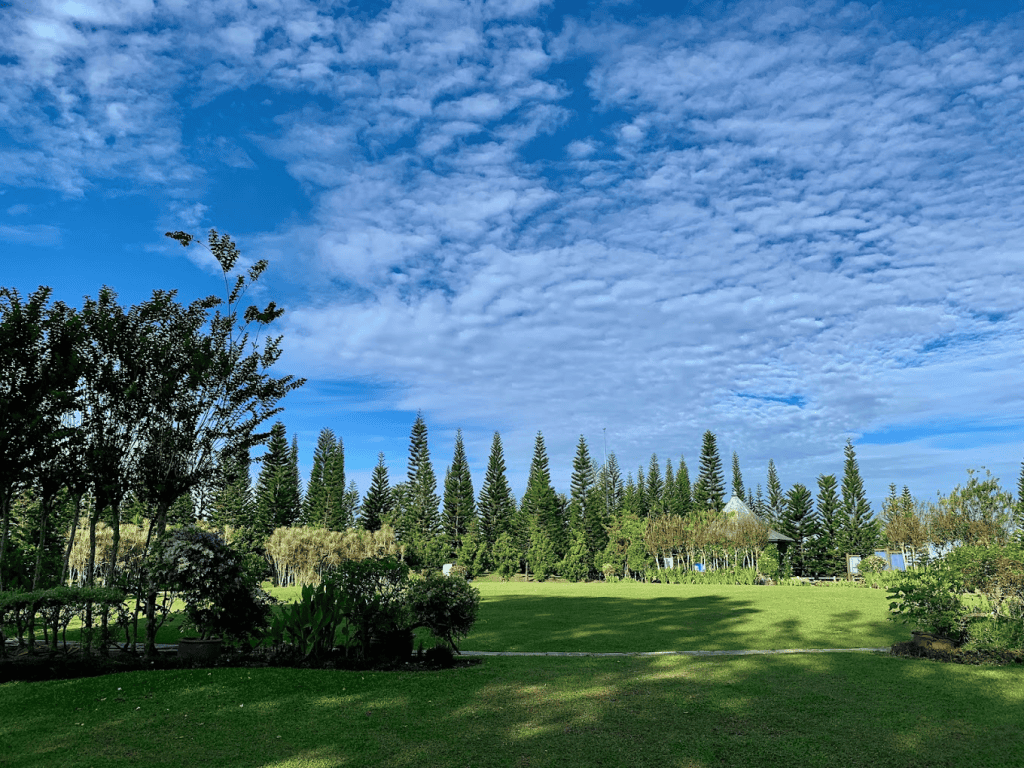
x: 787, y: 223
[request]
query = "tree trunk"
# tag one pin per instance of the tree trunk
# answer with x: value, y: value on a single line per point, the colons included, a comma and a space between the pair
x: 5, y: 508
x: 43, y: 523
x: 71, y: 540
x: 161, y: 527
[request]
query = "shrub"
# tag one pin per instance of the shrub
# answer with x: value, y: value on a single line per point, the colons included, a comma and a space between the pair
x: 311, y: 625
x: 930, y: 600
x: 505, y: 556
x: 871, y: 565
x: 374, y: 594
x: 768, y: 562
x: 446, y: 606
x: 208, y: 576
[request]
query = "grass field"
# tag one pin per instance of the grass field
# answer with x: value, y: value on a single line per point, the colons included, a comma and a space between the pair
x: 842, y: 709
x: 601, y: 617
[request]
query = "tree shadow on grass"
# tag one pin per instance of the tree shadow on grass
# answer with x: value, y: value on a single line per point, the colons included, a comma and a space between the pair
x: 550, y: 623
x: 807, y: 710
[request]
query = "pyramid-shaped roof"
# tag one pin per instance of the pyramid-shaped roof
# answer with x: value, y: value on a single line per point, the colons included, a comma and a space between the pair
x: 735, y: 509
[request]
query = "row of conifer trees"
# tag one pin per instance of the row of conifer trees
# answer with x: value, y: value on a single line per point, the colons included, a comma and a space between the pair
x: 601, y: 521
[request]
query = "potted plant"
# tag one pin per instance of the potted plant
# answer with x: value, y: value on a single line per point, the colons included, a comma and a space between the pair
x: 205, y: 573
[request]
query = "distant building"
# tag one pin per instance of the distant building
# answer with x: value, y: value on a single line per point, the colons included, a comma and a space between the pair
x: 735, y: 509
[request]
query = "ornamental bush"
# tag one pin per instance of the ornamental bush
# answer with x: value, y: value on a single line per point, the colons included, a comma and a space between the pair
x: 930, y: 600
x: 445, y: 605
x: 209, y: 577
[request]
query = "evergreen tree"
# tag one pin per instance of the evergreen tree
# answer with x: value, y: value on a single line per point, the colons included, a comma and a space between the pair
x: 861, y: 533
x: 586, y: 509
x: 540, y: 503
x: 641, y: 501
x: 630, y: 504
x: 655, y: 488
x: 342, y: 499
x: 609, y: 479
x: 294, y: 508
x: 471, y: 549
x: 422, y: 519
x: 799, y: 524
x: 832, y: 560
x: 377, y: 505
x: 776, y: 500
x: 737, y: 478
x: 578, y: 563
x: 710, y: 486
x: 275, y: 492
x: 683, y: 497
x: 1018, y: 507
x: 459, y: 505
x: 495, y: 506
x: 325, y: 493
x: 233, y: 499
x: 349, y: 506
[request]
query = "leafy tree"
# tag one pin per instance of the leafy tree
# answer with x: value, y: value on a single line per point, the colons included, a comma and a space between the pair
x: 472, y: 550
x: 978, y: 513
x: 710, y: 487
x: 506, y: 556
x: 578, y: 562
x: 377, y: 505
x: 861, y: 531
x: 776, y: 500
x: 904, y: 523
x: 540, y: 504
x: 799, y: 524
x: 459, y: 505
x: 495, y: 505
x: 541, y: 558
x: 737, y: 477
x: 831, y: 558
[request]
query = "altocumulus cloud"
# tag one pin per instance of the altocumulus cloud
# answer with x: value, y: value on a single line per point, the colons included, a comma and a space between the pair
x: 787, y: 223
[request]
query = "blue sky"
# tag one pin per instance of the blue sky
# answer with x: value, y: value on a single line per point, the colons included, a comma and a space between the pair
x: 788, y: 223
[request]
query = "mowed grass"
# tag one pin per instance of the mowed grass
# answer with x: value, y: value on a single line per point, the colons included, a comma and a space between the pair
x: 621, y: 617
x: 612, y: 618
x: 839, y: 709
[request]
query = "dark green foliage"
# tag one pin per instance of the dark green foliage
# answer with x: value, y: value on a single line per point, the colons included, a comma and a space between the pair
x: 709, y: 490
x: 655, y: 487
x: 233, y: 497
x: 799, y: 523
x: 1018, y: 508
x: 611, y: 489
x: 207, y: 575
x: 374, y: 592
x: 273, y: 499
x: 311, y: 624
x: 929, y: 599
x: 53, y: 608
x: 682, y: 500
x: 586, y: 512
x: 446, y: 605
x: 540, y: 504
x: 862, y: 534
x: 459, y: 507
x: 541, y: 558
x: 325, y: 504
x: 422, y: 519
x: 830, y: 558
x: 377, y: 505
x: 495, y: 506
x: 776, y: 504
x: 737, y: 477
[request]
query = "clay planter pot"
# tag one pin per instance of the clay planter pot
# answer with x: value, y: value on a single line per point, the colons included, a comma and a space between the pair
x: 933, y: 642
x: 194, y: 649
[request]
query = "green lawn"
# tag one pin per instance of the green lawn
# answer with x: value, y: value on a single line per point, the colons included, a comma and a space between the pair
x: 601, y: 617
x: 843, y: 709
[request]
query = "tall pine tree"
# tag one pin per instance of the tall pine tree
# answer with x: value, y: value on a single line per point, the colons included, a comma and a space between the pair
x: 274, y: 500
x: 609, y: 478
x: 832, y: 559
x: 710, y: 488
x: 1018, y: 508
x: 232, y: 497
x: 540, y: 502
x: 861, y: 534
x: 776, y: 500
x: 799, y: 524
x: 655, y: 488
x: 422, y: 522
x: 325, y: 503
x: 586, y: 508
x: 459, y: 506
x: 683, y: 490
x: 495, y: 505
x: 737, y: 478
x: 376, y: 507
